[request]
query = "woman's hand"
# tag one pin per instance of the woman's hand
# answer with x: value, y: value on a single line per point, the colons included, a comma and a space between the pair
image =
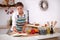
x: 24, y: 27
x: 14, y: 29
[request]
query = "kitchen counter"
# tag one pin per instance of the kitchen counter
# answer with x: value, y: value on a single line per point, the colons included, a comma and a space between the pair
x: 36, y: 37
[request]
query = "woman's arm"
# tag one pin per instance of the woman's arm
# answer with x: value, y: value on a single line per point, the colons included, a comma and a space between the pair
x: 24, y: 26
x: 14, y: 22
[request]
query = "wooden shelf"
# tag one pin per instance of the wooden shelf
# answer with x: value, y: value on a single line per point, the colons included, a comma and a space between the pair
x: 1, y: 5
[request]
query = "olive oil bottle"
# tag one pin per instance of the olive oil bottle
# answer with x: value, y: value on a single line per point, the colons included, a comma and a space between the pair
x: 47, y: 28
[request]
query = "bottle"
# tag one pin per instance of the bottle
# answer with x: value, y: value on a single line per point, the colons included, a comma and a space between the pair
x: 47, y: 28
x: 28, y: 16
x: 51, y: 30
x: 10, y: 20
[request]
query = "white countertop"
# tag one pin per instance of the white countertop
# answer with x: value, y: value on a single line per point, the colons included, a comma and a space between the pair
x: 7, y: 37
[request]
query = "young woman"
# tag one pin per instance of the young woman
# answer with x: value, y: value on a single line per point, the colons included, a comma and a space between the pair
x: 19, y: 19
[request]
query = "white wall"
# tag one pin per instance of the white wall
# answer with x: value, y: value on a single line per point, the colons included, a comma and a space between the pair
x: 3, y: 17
x: 1, y: 1
x: 36, y: 14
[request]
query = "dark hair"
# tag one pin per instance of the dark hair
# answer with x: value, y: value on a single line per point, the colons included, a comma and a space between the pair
x: 19, y: 4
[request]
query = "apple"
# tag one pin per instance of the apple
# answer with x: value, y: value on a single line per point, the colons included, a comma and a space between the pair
x: 32, y: 31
